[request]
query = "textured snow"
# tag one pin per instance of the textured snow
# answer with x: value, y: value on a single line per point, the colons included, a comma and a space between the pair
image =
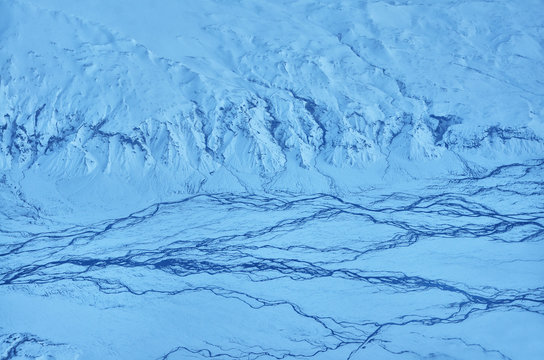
x: 267, y: 95
x: 271, y: 179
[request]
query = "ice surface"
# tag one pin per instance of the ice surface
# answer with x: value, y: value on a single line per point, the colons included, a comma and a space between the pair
x: 271, y: 179
x: 449, y: 271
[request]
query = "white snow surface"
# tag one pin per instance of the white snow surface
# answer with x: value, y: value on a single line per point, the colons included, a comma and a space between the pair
x: 117, y: 98
x: 271, y: 179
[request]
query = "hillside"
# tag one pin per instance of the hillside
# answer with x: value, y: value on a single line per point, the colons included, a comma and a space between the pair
x: 273, y: 95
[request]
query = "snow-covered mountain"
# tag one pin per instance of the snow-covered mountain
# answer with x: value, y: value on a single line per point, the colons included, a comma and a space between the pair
x: 271, y: 179
x: 266, y: 95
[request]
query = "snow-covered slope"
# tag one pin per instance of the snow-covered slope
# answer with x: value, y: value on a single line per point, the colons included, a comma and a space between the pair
x: 271, y: 179
x: 185, y: 96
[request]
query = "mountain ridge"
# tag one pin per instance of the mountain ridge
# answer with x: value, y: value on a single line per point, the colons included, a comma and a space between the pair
x: 276, y: 111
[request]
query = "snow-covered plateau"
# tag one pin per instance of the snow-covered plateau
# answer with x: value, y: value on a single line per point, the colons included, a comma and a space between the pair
x: 271, y: 179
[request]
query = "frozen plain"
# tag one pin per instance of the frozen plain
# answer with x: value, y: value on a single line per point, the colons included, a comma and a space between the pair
x: 271, y: 179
